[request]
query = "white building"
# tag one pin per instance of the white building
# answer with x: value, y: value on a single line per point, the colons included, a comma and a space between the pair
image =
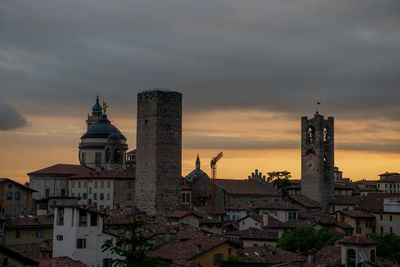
x: 78, y: 234
x: 105, y: 189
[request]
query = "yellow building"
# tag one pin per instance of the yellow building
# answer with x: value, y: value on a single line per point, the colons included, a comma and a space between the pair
x: 206, y: 251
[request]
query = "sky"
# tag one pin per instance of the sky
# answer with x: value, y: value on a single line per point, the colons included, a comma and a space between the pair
x: 248, y: 71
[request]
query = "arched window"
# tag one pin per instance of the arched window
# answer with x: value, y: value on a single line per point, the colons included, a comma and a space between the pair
x: 310, y: 134
x: 108, y: 155
x: 117, y: 156
x: 372, y: 255
x: 326, y: 136
x: 351, y: 258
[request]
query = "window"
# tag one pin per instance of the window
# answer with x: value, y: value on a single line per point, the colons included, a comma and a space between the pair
x: 47, y: 192
x: 82, y: 218
x: 98, y: 158
x: 9, y: 195
x: 108, y: 196
x: 101, y: 196
x: 292, y: 215
x: 381, y: 217
x: 95, y: 184
x: 372, y: 255
x: 358, y: 230
x: 79, y: 184
x: 129, y: 196
x: 391, y: 230
x: 60, y: 216
x: 81, y: 243
x: 73, y: 184
x: 218, y: 258
x: 63, y: 192
x: 381, y: 230
x: 310, y: 134
x: 93, y: 219
x: 102, y: 184
x: 108, y: 184
x: 39, y: 233
x: 351, y: 258
x: 84, y: 157
x: 130, y: 184
x: 84, y: 184
x: 90, y: 190
x: 95, y: 196
x: 60, y: 237
x: 390, y: 218
x: 17, y: 195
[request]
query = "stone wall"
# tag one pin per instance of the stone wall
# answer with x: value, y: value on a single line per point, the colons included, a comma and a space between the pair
x: 159, y: 151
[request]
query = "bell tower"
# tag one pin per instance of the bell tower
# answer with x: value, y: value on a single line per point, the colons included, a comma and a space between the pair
x: 317, y: 158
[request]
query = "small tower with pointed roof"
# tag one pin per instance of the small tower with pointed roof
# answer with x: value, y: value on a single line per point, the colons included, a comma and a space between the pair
x: 97, y: 113
x: 198, y: 163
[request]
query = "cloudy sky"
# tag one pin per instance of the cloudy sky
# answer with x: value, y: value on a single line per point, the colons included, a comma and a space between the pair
x: 247, y: 70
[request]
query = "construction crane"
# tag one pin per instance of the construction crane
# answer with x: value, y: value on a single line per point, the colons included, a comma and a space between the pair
x: 213, y: 164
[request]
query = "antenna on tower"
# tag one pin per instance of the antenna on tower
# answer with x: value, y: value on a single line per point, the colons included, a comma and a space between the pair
x: 318, y: 103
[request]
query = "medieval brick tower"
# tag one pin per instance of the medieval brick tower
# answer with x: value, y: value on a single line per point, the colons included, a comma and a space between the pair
x: 317, y: 158
x: 158, y: 151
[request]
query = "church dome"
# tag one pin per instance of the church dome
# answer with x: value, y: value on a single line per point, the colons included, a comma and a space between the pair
x: 103, y: 129
x: 114, y: 138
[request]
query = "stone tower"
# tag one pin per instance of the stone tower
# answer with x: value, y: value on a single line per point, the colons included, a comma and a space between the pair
x: 317, y: 158
x: 158, y: 151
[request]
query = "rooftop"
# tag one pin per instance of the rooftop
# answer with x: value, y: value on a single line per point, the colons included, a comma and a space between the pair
x: 357, y: 240
x: 271, y: 255
x: 246, y: 187
x: 373, y: 202
x: 357, y: 214
x: 182, y: 250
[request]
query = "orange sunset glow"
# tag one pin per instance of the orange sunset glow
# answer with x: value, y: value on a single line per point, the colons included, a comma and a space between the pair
x: 250, y: 140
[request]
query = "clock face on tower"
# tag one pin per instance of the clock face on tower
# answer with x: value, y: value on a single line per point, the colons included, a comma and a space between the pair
x: 310, y: 165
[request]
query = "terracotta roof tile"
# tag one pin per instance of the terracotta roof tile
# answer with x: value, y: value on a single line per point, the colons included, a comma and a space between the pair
x: 346, y: 200
x: 61, y: 262
x: 357, y: 214
x: 357, y: 240
x: 33, y: 251
x: 305, y: 201
x: 271, y: 255
x: 256, y: 234
x: 62, y: 169
x: 277, y: 206
x: 246, y: 187
x: 374, y: 201
x: 328, y: 256
x: 188, y: 249
x: 29, y: 221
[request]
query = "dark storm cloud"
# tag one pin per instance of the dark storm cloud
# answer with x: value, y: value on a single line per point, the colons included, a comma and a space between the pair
x: 10, y: 118
x: 272, y: 55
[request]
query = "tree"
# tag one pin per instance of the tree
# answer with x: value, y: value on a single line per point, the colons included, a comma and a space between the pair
x: 388, y: 246
x: 306, y: 238
x: 280, y: 179
x: 134, y: 252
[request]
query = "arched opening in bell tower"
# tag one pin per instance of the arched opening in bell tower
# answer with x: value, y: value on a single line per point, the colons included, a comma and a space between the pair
x: 310, y: 134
